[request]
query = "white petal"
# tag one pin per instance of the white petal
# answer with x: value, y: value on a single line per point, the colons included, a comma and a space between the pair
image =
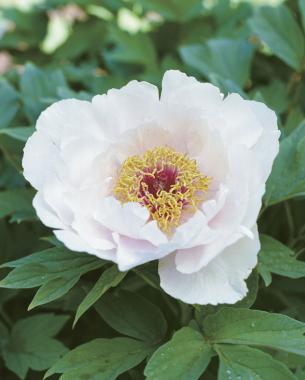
x: 133, y: 252
x: 267, y: 146
x: 97, y: 236
x: 39, y: 159
x: 70, y: 119
x: 193, y: 232
x: 181, y: 89
x: 72, y: 241
x: 55, y: 195
x: 78, y: 156
x: 129, y: 219
x: 126, y: 108
x: 125, y: 219
x: 45, y: 213
x: 222, y: 281
x: 240, y: 124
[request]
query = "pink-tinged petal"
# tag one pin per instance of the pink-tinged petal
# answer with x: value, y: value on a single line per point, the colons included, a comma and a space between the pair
x: 222, y: 281
x: 72, y: 241
x: 56, y: 195
x: 133, y: 252
x: 129, y: 219
x: 95, y: 235
x: 193, y: 232
x: 125, y: 219
x: 45, y: 213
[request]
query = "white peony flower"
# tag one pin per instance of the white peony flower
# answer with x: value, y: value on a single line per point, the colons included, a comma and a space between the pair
x: 133, y: 177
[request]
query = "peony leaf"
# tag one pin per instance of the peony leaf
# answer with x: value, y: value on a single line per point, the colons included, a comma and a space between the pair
x: 102, y: 359
x: 287, y: 179
x: 53, y: 290
x: 275, y: 257
x: 111, y: 277
x: 132, y: 315
x: 17, y: 201
x: 258, y: 328
x: 9, y: 103
x: 184, y: 357
x: 19, y: 133
x: 31, y: 344
x: 133, y: 49
x: 56, y: 269
x: 277, y: 27
x: 241, y: 362
x: 37, y: 85
x: 228, y: 59
x: 302, y: 10
x: 174, y: 10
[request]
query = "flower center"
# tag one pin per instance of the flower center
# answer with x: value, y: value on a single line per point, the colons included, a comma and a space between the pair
x: 167, y: 183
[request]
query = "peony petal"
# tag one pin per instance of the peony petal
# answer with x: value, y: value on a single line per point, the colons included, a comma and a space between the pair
x: 193, y: 232
x: 222, y: 281
x: 97, y: 236
x: 70, y: 119
x: 267, y: 147
x: 133, y: 252
x: 72, y: 241
x: 177, y: 87
x: 126, y: 108
x: 125, y: 219
x: 45, y: 213
x: 129, y: 219
x: 39, y: 159
x: 240, y: 124
x: 78, y: 156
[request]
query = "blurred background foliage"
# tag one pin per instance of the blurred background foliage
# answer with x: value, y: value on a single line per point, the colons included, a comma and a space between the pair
x: 56, y: 49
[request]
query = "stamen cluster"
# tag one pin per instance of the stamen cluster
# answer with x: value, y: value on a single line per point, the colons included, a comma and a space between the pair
x: 166, y: 182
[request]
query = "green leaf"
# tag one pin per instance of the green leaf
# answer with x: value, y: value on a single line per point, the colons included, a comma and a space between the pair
x: 132, y: 315
x: 16, y: 200
x: 302, y: 10
x: 294, y: 119
x: 174, y: 10
x: 102, y: 359
x: 52, y: 290
x: 275, y: 95
x: 36, y: 86
x: 9, y: 103
x: 86, y: 36
x: 242, y: 362
x: 290, y: 360
x: 258, y: 328
x: 110, y: 278
x: 32, y: 345
x: 4, y: 335
x: 56, y: 269
x: 275, y: 257
x: 19, y: 133
x: 228, y: 59
x: 287, y: 179
x: 184, y: 357
x: 278, y: 29
x: 132, y: 49
x: 148, y: 273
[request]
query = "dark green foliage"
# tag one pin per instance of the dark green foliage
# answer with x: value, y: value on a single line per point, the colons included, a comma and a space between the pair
x: 127, y: 327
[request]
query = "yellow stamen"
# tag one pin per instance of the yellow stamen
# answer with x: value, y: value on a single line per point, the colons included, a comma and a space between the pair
x: 166, y: 182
